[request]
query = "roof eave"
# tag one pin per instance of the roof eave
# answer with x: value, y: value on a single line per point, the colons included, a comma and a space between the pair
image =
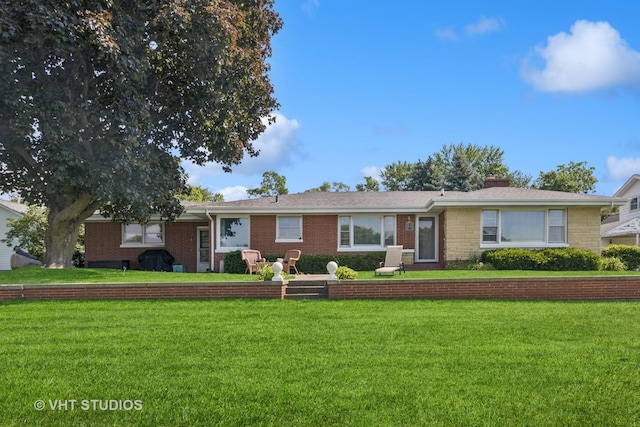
x: 627, y: 185
x: 529, y: 202
x: 303, y: 210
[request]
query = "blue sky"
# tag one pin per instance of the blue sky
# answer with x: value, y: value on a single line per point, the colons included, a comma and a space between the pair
x: 364, y: 84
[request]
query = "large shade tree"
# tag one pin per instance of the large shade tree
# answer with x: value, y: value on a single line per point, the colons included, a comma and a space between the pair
x: 100, y: 100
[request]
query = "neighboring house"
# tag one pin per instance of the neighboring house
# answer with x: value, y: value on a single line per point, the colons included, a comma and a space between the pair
x: 624, y: 227
x: 434, y: 228
x: 8, y: 210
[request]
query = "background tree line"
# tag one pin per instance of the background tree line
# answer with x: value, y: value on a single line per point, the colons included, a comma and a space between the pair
x: 456, y: 167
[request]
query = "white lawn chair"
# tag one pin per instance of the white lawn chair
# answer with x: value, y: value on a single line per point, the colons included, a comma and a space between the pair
x: 392, y: 261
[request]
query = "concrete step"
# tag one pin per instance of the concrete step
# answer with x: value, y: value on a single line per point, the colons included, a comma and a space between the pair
x: 307, y: 290
x: 306, y: 296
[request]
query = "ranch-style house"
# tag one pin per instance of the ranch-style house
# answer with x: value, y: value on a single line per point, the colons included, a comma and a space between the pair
x: 434, y: 228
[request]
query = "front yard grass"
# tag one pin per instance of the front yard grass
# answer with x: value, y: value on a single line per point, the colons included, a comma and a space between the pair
x: 286, y: 363
x: 37, y: 275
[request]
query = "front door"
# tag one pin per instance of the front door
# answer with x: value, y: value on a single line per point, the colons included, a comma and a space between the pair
x: 203, y: 250
x: 427, y: 239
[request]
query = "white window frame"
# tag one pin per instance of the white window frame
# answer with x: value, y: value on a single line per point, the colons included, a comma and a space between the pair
x: 633, y: 202
x: 225, y: 249
x: 280, y: 238
x: 143, y: 243
x: 365, y: 248
x: 546, y: 243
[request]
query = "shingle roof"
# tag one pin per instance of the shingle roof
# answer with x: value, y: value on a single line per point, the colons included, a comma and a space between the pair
x: 327, y: 201
x: 520, y: 194
x: 400, y: 200
x: 13, y: 206
x: 631, y: 227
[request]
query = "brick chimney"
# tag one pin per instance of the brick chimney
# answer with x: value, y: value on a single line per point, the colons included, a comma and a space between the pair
x: 492, y: 181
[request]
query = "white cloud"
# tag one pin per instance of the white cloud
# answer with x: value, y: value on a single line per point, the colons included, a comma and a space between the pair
x: 277, y: 146
x: 622, y: 167
x: 592, y: 56
x: 484, y: 25
x: 230, y: 194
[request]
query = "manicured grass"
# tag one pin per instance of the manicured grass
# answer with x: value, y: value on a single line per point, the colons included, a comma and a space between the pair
x: 36, y: 275
x: 285, y: 363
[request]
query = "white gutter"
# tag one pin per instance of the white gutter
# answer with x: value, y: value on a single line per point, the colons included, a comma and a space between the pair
x: 526, y: 202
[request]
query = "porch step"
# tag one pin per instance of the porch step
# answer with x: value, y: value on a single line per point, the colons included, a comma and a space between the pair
x: 307, y: 290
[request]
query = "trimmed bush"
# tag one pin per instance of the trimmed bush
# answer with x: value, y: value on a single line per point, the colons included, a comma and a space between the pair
x: 317, y: 264
x: 311, y: 264
x: 233, y: 263
x: 513, y: 259
x: 346, y: 273
x: 551, y: 259
x: 612, y: 264
x: 267, y: 273
x: 629, y: 255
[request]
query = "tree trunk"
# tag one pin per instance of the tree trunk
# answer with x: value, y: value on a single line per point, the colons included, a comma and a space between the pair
x: 60, y: 241
x: 63, y: 225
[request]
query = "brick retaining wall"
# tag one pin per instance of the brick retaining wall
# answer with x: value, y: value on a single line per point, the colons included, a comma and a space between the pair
x: 549, y: 288
x: 142, y: 291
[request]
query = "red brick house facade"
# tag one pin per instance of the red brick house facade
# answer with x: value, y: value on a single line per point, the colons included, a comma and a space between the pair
x: 433, y: 227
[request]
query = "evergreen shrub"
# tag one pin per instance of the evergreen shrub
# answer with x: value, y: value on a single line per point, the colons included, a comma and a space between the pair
x: 317, y: 264
x: 628, y: 254
x: 550, y: 259
x: 346, y: 273
x: 612, y: 264
x: 233, y: 263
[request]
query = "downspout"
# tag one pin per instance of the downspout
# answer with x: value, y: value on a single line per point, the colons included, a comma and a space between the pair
x: 211, y: 247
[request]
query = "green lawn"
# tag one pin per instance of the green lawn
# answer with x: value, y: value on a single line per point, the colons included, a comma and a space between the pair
x: 35, y: 275
x: 288, y: 363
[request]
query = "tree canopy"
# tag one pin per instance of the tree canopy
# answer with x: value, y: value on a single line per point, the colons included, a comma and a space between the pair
x: 396, y: 176
x: 272, y: 185
x: 100, y: 101
x: 572, y: 178
x: 27, y: 232
x: 369, y: 184
x: 327, y: 186
x: 196, y: 193
x: 460, y: 167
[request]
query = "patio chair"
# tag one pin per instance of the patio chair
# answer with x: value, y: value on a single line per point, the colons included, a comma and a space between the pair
x: 251, y: 257
x: 290, y: 259
x: 392, y: 261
